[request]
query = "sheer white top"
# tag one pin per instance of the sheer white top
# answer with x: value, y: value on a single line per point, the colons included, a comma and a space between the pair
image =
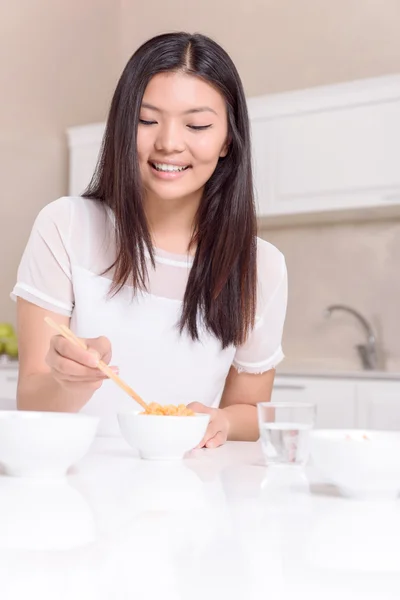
x: 72, y: 243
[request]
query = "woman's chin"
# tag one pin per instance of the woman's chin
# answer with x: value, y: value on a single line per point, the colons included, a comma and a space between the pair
x: 174, y: 193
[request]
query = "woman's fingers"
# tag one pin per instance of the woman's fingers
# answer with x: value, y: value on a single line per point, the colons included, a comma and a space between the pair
x: 98, y: 349
x: 216, y: 441
x: 76, y: 385
x: 198, y: 407
x: 217, y: 430
x: 72, y: 365
x: 70, y: 368
x: 60, y: 348
x: 212, y: 430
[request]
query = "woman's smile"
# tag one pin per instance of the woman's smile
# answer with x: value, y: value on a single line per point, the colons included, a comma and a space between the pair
x: 168, y: 170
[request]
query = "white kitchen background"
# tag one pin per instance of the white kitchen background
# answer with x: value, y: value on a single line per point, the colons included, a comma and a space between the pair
x: 324, y: 101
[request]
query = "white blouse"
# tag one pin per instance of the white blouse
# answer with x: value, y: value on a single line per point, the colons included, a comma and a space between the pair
x: 72, y: 243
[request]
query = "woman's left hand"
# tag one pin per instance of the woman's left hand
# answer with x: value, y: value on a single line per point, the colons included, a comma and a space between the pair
x: 218, y: 427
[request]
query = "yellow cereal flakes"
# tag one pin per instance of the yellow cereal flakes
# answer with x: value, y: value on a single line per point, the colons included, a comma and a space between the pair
x: 170, y: 410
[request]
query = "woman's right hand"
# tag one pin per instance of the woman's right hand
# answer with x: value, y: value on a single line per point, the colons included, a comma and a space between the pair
x: 76, y: 369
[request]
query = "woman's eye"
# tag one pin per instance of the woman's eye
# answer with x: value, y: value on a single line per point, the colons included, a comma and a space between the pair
x: 199, y: 127
x: 144, y: 122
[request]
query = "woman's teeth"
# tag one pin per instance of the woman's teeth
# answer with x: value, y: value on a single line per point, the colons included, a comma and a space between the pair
x: 163, y: 167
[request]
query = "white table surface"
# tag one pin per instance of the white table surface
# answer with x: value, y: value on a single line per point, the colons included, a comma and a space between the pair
x: 210, y: 527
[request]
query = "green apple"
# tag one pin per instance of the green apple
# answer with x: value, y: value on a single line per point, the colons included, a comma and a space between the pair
x: 7, y: 331
x: 11, y: 348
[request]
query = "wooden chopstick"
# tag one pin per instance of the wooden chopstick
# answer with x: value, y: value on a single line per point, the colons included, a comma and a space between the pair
x: 69, y: 335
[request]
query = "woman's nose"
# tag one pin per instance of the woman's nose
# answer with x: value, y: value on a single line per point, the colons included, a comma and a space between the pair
x: 170, y: 139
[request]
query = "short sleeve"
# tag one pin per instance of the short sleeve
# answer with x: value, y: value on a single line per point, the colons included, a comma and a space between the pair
x: 262, y: 350
x: 44, y: 274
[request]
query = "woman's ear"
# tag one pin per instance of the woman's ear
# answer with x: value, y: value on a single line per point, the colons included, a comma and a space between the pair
x: 225, y: 149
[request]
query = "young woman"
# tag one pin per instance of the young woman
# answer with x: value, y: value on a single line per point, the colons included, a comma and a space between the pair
x: 158, y: 265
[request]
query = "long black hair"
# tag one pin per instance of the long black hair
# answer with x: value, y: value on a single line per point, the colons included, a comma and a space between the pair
x: 221, y: 288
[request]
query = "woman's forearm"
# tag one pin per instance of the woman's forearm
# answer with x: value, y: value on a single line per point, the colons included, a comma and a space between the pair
x: 40, y: 391
x: 243, y: 424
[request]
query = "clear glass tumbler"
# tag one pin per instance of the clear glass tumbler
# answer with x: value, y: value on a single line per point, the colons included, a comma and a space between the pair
x: 285, y: 431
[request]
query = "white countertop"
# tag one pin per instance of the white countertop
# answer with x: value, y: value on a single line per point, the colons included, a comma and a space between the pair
x: 211, y: 527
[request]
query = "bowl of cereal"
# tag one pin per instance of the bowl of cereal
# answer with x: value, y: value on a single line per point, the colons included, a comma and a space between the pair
x: 163, y: 432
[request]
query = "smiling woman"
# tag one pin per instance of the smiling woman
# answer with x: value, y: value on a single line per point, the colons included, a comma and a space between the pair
x: 159, y: 256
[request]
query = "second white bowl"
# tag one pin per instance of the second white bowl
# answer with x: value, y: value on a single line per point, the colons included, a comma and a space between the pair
x: 362, y: 464
x: 43, y: 444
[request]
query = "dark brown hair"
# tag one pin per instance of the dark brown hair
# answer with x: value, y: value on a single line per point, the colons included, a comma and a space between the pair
x: 221, y: 289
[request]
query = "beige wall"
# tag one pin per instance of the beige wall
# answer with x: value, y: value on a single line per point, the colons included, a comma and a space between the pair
x: 280, y: 45
x: 58, y: 66
x: 355, y: 264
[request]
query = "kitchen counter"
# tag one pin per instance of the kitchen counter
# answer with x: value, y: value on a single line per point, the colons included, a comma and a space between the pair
x: 216, y: 526
x: 6, y: 364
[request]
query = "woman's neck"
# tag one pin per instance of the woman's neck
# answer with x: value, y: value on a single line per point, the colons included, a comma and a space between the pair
x: 171, y: 223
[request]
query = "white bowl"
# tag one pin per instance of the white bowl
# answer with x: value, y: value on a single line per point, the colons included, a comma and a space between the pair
x: 359, y: 467
x: 159, y: 437
x: 43, y: 444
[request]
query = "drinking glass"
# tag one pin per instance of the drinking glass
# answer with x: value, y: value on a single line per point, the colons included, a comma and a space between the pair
x: 285, y: 431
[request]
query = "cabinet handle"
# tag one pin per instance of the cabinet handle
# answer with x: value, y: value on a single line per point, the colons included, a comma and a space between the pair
x: 289, y: 387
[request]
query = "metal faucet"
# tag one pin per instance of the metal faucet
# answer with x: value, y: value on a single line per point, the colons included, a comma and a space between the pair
x: 367, y: 352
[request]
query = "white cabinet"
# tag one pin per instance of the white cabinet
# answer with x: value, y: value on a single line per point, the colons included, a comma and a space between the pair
x: 8, y: 388
x: 263, y: 157
x: 327, y: 149
x: 336, y: 405
x: 379, y: 405
x: 287, y: 390
x: 84, y: 144
x: 335, y: 399
x: 344, y: 403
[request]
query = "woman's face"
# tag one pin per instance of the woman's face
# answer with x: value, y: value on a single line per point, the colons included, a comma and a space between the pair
x: 182, y: 133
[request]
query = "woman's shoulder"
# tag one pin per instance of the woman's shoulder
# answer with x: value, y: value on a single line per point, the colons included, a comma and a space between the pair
x: 271, y: 271
x: 70, y: 207
x: 269, y: 258
x: 271, y: 276
x: 72, y: 217
x: 82, y: 226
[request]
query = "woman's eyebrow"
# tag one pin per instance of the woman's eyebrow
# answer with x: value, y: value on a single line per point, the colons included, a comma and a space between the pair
x: 198, y: 109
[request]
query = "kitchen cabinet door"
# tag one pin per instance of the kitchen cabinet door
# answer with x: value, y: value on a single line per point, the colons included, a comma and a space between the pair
x: 8, y: 389
x: 335, y: 399
x: 84, y: 146
x: 378, y: 405
x: 285, y: 390
x: 335, y: 402
x: 338, y: 159
x: 262, y: 138
x: 327, y: 149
